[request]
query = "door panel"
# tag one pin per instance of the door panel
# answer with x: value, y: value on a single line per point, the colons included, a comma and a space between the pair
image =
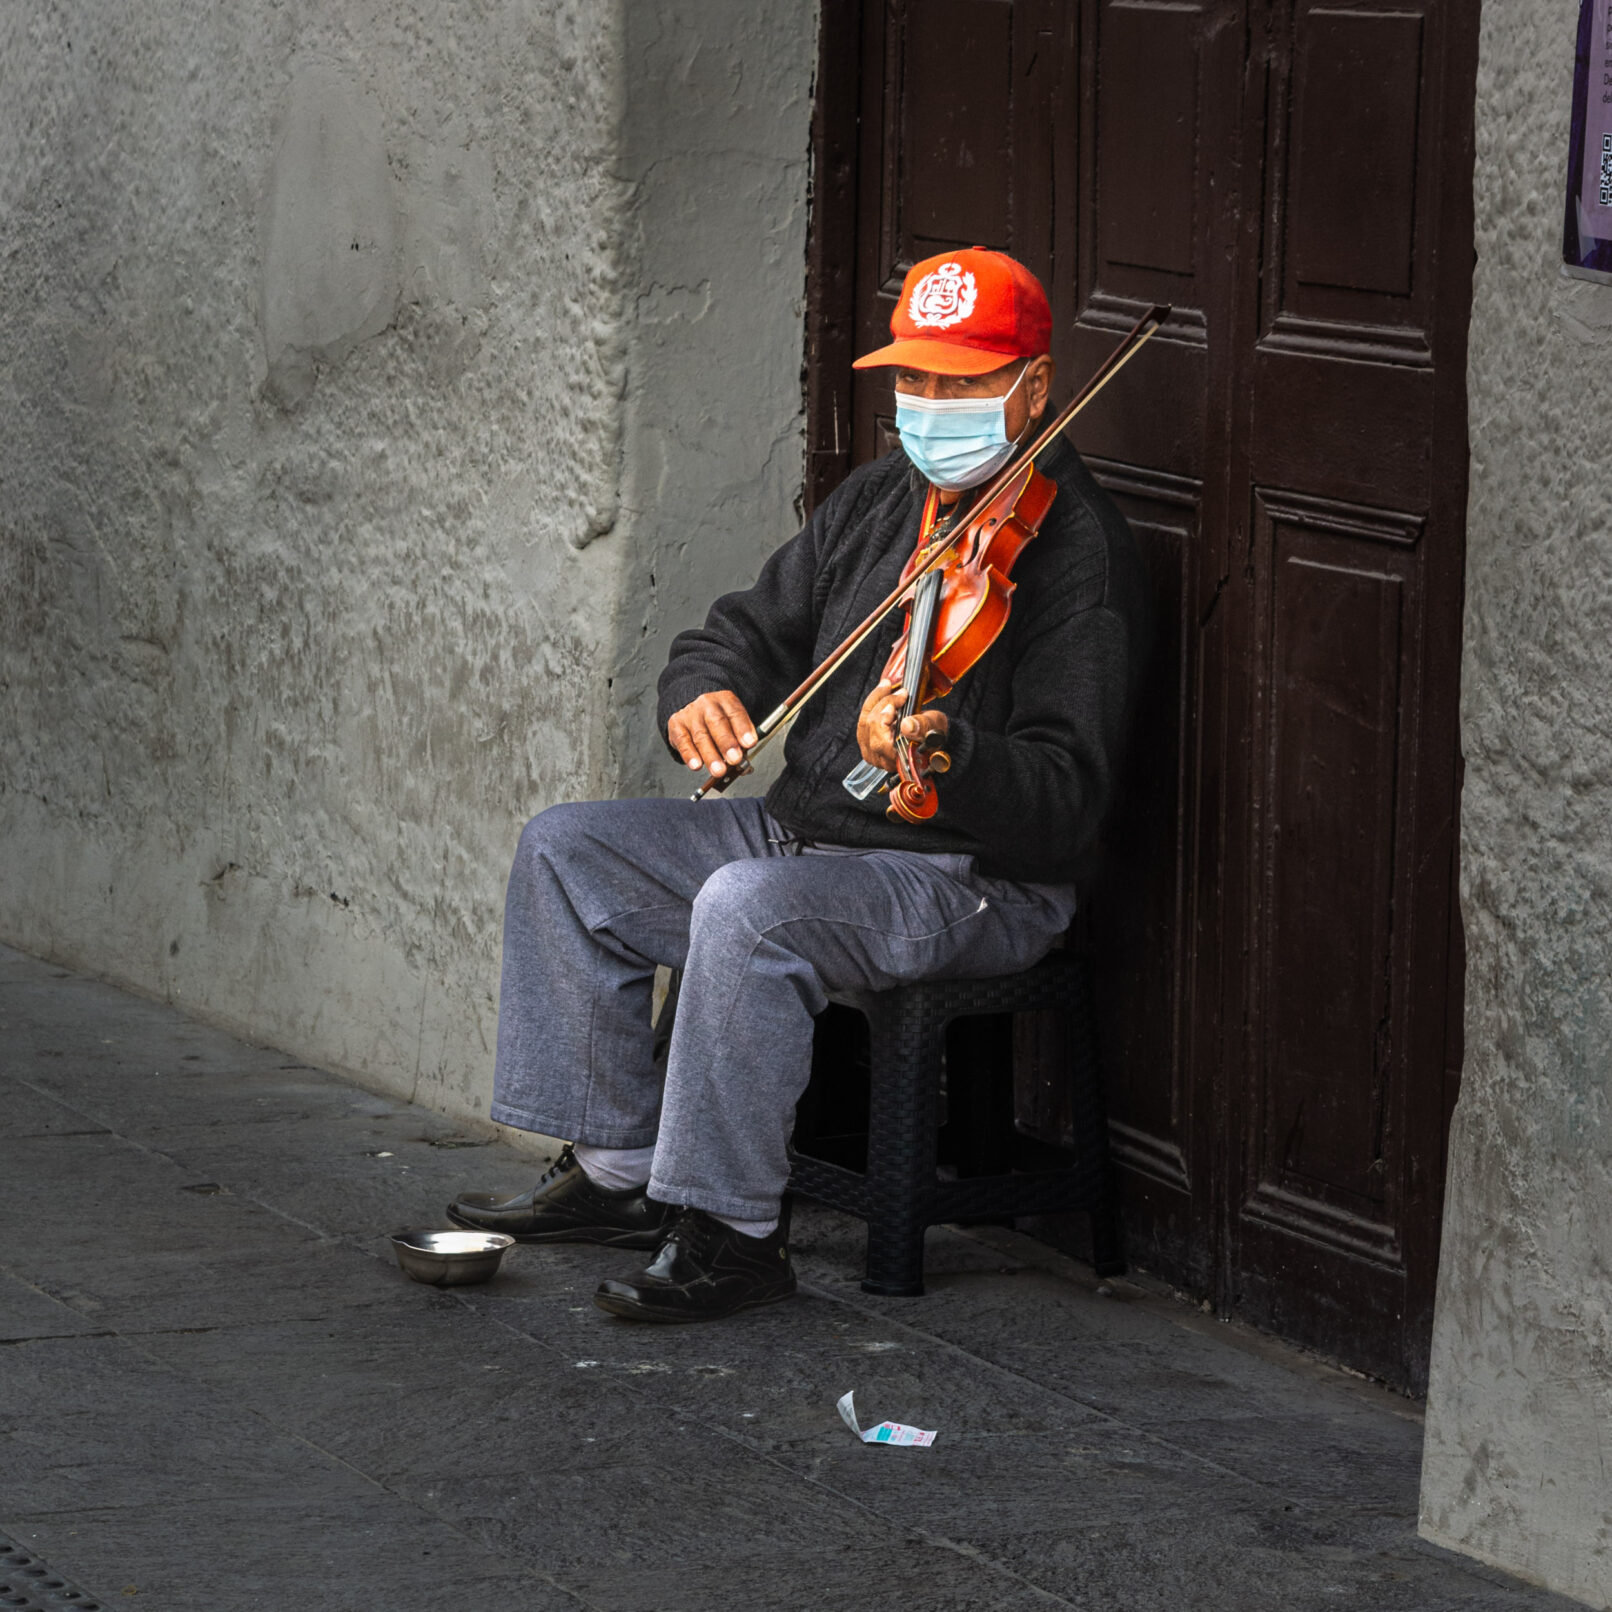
x: 959, y: 93
x: 956, y: 73
x: 1340, y: 602
x: 1146, y: 151
x: 1351, y: 160
x: 1342, y: 428
x: 1352, y: 203
x: 1138, y: 920
x: 1273, y: 926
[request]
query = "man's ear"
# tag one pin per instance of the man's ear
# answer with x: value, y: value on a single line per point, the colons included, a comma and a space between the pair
x: 1043, y: 371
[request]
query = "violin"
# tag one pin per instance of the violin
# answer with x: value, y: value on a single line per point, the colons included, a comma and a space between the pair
x: 957, y: 624
x: 956, y: 613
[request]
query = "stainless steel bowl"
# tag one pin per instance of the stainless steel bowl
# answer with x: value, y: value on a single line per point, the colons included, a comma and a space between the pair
x: 449, y: 1258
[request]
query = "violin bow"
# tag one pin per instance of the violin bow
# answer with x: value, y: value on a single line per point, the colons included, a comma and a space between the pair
x: 933, y: 556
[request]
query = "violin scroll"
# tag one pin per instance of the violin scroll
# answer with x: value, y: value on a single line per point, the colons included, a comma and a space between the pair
x: 912, y: 794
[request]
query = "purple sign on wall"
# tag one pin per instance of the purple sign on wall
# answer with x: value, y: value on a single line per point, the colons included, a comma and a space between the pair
x: 1587, y: 237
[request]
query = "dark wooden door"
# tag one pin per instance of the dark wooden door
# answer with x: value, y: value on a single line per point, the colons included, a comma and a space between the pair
x: 1275, y: 924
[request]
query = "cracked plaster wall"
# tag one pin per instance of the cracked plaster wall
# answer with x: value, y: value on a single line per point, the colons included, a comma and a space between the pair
x: 1518, y: 1462
x: 337, y: 349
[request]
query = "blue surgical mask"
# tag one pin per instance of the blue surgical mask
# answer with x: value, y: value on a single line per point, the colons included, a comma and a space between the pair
x: 956, y: 442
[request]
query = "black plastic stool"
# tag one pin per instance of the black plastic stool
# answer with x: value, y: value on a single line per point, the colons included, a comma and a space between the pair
x: 900, y: 1194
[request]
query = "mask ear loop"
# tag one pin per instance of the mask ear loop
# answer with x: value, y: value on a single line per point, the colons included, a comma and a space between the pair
x: 1029, y: 422
x: 1009, y: 393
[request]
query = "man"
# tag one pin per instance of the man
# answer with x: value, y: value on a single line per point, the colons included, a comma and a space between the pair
x: 766, y: 907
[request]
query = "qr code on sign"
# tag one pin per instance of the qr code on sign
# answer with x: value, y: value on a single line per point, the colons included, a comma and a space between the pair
x: 1606, y: 170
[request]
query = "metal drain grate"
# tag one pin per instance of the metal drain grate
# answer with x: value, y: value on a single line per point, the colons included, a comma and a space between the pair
x: 27, y: 1585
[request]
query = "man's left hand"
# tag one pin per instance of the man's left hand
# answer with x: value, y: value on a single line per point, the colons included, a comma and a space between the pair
x: 875, y: 728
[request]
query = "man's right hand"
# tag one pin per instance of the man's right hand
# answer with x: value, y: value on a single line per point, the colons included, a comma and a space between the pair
x: 712, y: 731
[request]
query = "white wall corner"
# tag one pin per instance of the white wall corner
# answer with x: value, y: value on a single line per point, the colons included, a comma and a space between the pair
x: 1519, y: 1415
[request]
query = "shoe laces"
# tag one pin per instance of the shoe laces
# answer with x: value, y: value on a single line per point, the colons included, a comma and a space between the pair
x: 691, y: 1231
x: 558, y: 1168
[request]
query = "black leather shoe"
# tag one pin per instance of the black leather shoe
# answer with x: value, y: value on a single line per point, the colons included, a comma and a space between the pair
x: 566, y: 1207
x: 702, y: 1272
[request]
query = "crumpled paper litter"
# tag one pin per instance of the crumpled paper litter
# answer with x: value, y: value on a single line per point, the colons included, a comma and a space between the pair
x: 885, y: 1432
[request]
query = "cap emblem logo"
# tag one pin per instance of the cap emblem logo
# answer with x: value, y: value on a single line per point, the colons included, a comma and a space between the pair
x: 943, y: 298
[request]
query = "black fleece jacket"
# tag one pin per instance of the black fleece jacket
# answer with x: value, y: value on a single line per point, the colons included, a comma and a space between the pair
x: 1036, y: 727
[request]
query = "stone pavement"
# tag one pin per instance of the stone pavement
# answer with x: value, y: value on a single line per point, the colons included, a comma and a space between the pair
x: 218, y: 1392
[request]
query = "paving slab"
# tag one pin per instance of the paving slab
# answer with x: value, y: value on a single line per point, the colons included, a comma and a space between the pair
x: 217, y: 1390
x: 361, y: 1551
x: 27, y: 1314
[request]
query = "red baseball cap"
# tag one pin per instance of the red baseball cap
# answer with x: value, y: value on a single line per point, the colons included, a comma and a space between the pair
x: 966, y: 313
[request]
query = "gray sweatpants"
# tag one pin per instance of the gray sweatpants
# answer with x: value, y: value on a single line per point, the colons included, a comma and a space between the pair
x: 762, y: 927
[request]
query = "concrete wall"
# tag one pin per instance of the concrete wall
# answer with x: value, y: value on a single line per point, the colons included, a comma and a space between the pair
x: 1518, y: 1466
x: 719, y: 105
x: 365, y: 370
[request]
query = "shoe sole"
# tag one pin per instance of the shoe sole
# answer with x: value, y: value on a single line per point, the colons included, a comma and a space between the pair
x: 603, y: 1236
x: 628, y: 1311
